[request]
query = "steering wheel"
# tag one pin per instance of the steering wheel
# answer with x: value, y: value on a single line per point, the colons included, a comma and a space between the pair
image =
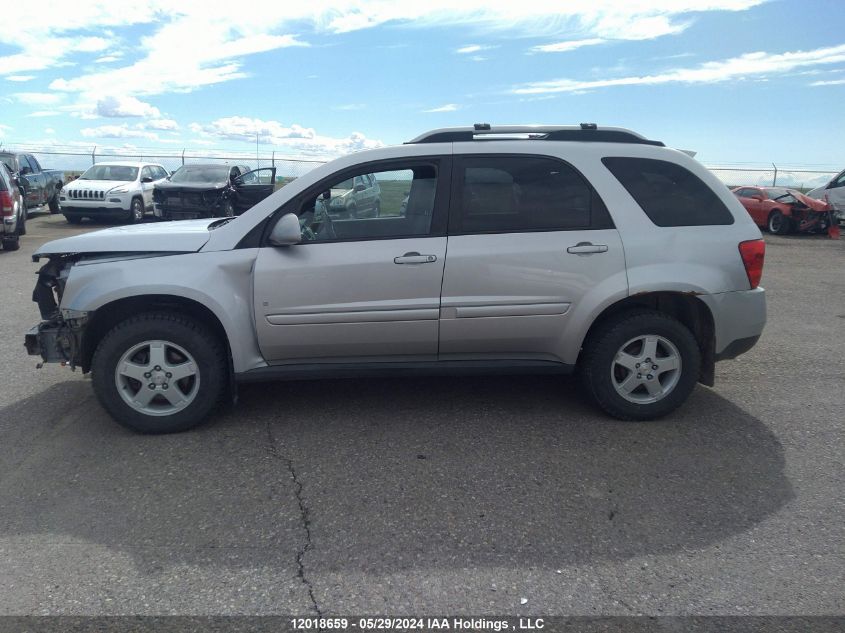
x: 326, y: 230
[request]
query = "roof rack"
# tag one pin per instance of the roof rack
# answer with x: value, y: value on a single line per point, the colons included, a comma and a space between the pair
x: 586, y: 132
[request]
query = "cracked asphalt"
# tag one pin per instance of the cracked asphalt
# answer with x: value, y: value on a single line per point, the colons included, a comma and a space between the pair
x: 437, y: 495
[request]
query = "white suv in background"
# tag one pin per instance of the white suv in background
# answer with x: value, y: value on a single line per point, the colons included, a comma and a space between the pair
x: 119, y: 190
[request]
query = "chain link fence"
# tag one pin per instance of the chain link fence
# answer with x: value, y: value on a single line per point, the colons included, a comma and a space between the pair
x: 74, y: 160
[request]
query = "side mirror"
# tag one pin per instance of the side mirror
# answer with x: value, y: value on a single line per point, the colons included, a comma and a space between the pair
x: 16, y: 181
x: 25, y: 170
x: 326, y: 195
x: 146, y: 179
x: 359, y: 187
x: 287, y: 231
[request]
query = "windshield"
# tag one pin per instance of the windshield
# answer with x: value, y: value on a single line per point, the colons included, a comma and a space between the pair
x: 110, y: 172
x: 201, y: 173
x: 780, y: 194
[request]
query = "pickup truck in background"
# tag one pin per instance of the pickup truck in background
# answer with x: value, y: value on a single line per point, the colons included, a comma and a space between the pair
x: 39, y: 186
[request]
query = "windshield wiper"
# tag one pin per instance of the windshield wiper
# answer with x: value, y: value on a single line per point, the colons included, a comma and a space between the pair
x: 219, y: 223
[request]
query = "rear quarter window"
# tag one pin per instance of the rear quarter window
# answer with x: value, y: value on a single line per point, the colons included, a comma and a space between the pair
x: 670, y: 195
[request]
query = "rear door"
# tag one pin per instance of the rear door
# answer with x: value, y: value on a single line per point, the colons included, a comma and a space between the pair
x: 32, y: 180
x: 529, y: 238
x: 252, y: 187
x: 358, y: 289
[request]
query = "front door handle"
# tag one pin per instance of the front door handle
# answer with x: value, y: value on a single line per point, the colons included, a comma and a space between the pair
x: 587, y: 248
x: 415, y: 258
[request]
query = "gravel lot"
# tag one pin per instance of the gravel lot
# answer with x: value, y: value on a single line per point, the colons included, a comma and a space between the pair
x: 438, y: 496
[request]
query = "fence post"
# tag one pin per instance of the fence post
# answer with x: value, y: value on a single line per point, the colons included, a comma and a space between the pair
x: 775, y: 179
x: 183, y: 155
x: 273, y: 159
x: 93, y: 155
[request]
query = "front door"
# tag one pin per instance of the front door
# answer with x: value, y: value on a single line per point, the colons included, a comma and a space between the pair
x: 252, y: 187
x: 529, y: 239
x: 358, y: 289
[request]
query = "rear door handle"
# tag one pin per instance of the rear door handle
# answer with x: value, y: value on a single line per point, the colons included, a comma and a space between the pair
x: 415, y: 258
x: 587, y: 248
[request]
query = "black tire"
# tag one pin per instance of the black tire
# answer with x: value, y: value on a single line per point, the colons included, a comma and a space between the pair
x: 136, y: 211
x: 227, y: 210
x: 208, y: 353
x: 600, y: 350
x: 11, y: 244
x: 73, y: 219
x: 22, y: 220
x: 778, y: 223
x: 54, y: 204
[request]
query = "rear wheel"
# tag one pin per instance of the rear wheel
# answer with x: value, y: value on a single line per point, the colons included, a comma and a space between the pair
x: 54, y: 203
x: 159, y: 372
x: 778, y: 223
x: 22, y: 220
x: 11, y: 243
x: 73, y: 219
x: 640, y: 365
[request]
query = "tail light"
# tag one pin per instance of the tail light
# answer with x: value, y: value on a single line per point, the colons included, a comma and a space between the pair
x: 753, y: 252
x: 7, y: 206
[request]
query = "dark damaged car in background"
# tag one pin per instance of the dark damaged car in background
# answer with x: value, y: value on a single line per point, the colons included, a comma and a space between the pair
x: 211, y: 191
x: 783, y: 211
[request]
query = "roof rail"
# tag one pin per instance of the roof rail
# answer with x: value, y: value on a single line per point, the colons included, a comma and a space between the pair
x: 586, y: 132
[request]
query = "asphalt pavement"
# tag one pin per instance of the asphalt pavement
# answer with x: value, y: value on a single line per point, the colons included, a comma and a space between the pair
x: 451, y: 495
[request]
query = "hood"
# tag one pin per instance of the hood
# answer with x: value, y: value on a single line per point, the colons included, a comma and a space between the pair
x: 815, y: 205
x: 98, y: 185
x: 160, y: 237
x: 167, y: 185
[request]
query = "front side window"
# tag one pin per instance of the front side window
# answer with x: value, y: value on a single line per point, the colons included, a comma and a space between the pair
x: 391, y: 203
x: 839, y: 181
x: 146, y: 173
x: 522, y: 193
x: 670, y: 195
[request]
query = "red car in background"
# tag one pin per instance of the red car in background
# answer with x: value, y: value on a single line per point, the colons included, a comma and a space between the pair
x: 782, y: 210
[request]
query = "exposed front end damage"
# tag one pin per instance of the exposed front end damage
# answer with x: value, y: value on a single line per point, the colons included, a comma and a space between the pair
x: 810, y: 215
x: 58, y: 337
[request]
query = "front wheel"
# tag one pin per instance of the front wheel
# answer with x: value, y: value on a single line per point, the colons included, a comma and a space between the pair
x: 779, y: 224
x: 641, y: 365
x: 159, y: 372
x: 136, y: 211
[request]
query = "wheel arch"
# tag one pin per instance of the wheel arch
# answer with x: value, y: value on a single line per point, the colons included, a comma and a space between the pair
x: 105, y: 317
x: 686, y: 307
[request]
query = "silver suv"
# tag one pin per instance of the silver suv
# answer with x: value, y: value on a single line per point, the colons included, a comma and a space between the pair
x: 496, y: 249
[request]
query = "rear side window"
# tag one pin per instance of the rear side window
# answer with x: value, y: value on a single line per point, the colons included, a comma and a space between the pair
x: 505, y: 194
x: 669, y: 194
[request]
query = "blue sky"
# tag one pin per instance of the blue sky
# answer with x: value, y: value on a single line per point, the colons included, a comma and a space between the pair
x: 738, y: 81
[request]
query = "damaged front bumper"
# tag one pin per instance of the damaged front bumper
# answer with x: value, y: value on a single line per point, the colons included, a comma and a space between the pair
x: 56, y: 341
x: 58, y: 337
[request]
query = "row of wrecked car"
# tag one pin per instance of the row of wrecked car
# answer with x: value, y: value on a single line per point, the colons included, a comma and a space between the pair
x: 126, y: 191
x: 781, y: 211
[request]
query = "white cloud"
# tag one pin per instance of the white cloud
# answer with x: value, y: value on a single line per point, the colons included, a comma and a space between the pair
x: 749, y: 66
x: 832, y: 82
x: 162, y: 124
x: 191, y: 44
x: 43, y: 113
x: 350, y: 106
x: 107, y: 59
x: 570, y: 45
x: 449, y: 107
x: 49, y: 130
x: 117, y: 131
x: 20, y: 77
x: 294, y: 138
x: 125, y: 106
x: 38, y: 98
x: 472, y: 48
